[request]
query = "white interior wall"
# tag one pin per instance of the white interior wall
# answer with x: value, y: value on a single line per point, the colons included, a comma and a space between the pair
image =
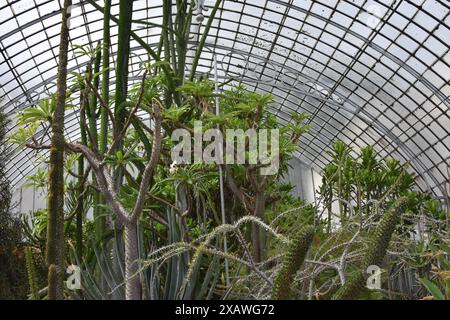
x: 304, y: 179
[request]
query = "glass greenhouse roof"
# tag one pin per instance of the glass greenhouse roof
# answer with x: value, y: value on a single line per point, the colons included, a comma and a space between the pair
x: 369, y: 72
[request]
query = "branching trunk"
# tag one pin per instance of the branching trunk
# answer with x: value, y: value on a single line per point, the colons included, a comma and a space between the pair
x: 55, y: 227
x: 128, y: 219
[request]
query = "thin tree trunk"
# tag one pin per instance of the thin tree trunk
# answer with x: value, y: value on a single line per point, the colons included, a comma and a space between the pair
x: 182, y: 202
x: 257, y: 236
x: 132, y: 284
x: 55, y: 227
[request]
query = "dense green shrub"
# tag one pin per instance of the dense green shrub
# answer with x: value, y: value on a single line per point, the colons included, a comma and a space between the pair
x: 13, y: 283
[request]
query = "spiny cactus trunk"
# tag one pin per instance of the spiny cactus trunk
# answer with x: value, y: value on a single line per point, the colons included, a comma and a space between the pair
x: 31, y: 272
x: 375, y: 252
x: 55, y: 227
x: 257, y: 237
x: 291, y: 263
x: 133, y: 284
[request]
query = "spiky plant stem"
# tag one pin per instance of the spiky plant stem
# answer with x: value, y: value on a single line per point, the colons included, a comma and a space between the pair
x: 292, y: 261
x: 31, y: 272
x: 103, y: 139
x: 123, y: 55
x: 55, y: 227
x: 168, y: 44
x: 105, y: 78
x: 183, y: 23
x: 375, y: 253
x: 123, y: 52
x: 154, y: 55
x: 80, y: 207
x: 99, y: 221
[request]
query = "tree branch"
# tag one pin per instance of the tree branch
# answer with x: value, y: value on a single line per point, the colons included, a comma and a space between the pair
x: 38, y: 146
x: 130, y: 116
x: 104, y: 179
x: 151, y: 165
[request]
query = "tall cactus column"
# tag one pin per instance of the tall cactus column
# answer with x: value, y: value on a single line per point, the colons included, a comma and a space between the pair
x: 103, y: 137
x: 55, y: 228
x: 123, y: 53
x: 291, y: 263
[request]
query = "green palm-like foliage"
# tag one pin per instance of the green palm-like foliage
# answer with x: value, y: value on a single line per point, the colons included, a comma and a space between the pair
x: 42, y: 112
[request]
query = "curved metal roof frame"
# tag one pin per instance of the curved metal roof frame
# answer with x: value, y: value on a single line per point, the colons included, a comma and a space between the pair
x: 369, y: 72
